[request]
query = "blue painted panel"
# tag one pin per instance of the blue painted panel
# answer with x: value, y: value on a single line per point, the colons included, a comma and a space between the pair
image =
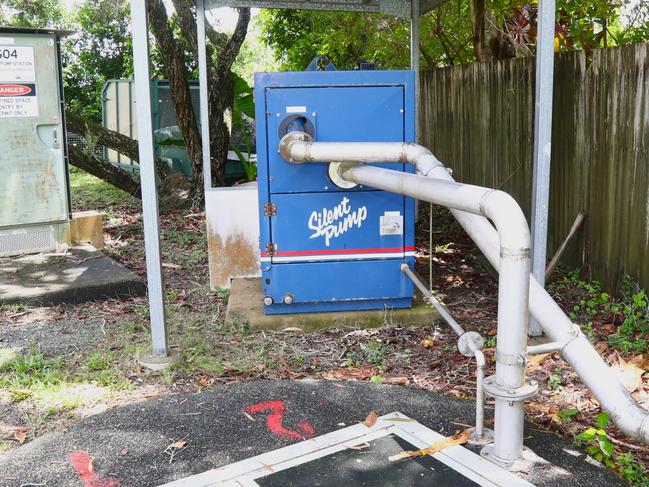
x: 350, y: 114
x: 348, y: 106
x: 379, y: 281
x: 311, y: 226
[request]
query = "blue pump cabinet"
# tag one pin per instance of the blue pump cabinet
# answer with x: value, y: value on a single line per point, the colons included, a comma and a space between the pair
x: 326, y: 248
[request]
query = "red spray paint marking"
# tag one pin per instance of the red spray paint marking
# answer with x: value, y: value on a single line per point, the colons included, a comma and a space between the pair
x: 81, y: 462
x: 274, y: 421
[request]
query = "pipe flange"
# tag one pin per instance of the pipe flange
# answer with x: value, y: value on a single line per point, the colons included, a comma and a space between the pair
x: 527, y: 460
x: 335, y: 171
x: 287, y: 140
x: 527, y: 390
x: 469, y: 342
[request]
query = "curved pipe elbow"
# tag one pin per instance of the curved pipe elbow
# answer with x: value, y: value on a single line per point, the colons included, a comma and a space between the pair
x: 510, y: 221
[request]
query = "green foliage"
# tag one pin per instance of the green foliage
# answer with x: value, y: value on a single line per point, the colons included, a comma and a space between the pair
x: 99, y: 50
x: 374, y: 352
x: 299, y: 36
x: 632, y: 334
x: 97, y: 360
x: 31, y: 369
x: 554, y: 382
x: 632, y: 471
x: 566, y: 414
x: 243, y: 114
x: 599, y: 446
x: 32, y: 13
x: 597, y: 442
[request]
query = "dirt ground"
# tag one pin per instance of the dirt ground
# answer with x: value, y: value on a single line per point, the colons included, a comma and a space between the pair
x: 60, y: 364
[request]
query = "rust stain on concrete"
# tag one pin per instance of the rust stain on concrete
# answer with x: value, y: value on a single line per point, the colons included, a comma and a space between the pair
x: 237, y: 256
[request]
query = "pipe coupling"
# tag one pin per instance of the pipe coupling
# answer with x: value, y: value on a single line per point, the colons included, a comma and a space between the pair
x: 285, y: 148
x: 517, y: 394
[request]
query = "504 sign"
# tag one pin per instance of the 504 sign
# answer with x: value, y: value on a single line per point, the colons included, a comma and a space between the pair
x: 9, y: 53
x: 17, y: 64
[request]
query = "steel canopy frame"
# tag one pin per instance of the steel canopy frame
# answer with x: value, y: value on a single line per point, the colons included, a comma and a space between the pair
x: 150, y: 215
x: 411, y: 9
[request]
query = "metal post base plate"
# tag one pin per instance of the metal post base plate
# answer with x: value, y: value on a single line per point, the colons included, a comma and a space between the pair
x: 486, y: 438
x: 527, y: 460
x: 157, y: 362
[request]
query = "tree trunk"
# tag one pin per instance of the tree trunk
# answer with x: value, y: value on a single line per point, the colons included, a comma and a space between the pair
x: 478, y: 22
x: 173, y: 58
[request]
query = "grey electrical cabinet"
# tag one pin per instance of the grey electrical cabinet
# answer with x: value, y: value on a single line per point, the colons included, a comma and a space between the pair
x: 34, y: 186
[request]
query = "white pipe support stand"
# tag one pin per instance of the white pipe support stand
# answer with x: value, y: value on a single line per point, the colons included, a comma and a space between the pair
x: 509, y: 386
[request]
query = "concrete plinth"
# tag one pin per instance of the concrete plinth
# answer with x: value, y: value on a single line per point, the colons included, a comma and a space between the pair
x: 245, y: 306
x: 81, y: 274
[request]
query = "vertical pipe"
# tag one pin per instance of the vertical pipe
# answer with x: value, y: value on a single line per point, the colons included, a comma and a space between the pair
x: 542, y: 143
x: 414, y: 55
x: 479, y: 394
x: 148, y: 179
x: 203, y: 94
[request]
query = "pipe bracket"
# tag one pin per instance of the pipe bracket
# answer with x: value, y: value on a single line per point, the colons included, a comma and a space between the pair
x: 510, y: 359
x: 527, y: 390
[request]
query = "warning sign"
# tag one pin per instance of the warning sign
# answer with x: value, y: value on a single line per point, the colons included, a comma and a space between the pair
x: 17, y: 64
x: 18, y: 100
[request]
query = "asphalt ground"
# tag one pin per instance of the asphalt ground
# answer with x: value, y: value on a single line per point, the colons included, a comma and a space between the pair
x: 131, y: 445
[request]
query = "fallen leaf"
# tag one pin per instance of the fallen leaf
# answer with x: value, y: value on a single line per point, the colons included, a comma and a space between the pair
x: 428, y: 342
x: 534, y: 362
x: 91, y: 467
x: 608, y: 329
x: 124, y: 452
x: 439, y: 445
x: 601, y: 347
x: 20, y: 436
x: 362, y: 446
x: 293, y: 329
x: 371, y: 418
x: 249, y: 417
x: 349, y: 373
x: 629, y: 372
x: 395, y: 380
x: 179, y: 445
x: 169, y: 265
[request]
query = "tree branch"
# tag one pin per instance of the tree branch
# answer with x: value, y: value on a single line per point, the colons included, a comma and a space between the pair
x: 104, y: 170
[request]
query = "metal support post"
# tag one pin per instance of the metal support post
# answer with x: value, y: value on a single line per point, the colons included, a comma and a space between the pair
x: 542, y: 143
x: 414, y: 55
x: 159, y: 357
x: 203, y: 92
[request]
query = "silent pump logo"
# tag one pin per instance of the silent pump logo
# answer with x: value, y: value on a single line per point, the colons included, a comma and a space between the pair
x: 333, y: 223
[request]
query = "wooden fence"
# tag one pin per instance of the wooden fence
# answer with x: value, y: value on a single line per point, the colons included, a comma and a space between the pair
x: 478, y: 119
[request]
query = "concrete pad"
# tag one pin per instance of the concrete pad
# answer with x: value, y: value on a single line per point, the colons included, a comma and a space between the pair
x: 132, y: 445
x: 245, y: 306
x: 81, y: 274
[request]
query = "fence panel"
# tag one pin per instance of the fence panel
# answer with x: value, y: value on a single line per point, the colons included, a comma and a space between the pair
x: 478, y: 119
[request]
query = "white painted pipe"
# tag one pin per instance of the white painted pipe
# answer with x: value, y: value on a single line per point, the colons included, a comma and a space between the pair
x: 479, y: 394
x: 549, y: 347
x: 513, y: 282
x: 514, y: 235
x: 457, y: 328
x: 606, y: 386
x: 430, y: 297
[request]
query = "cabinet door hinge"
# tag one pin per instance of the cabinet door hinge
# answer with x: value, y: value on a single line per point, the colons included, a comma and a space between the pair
x: 270, y: 209
x: 271, y: 249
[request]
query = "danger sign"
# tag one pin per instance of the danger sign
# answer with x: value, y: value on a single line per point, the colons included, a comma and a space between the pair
x: 16, y: 90
x: 18, y: 100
